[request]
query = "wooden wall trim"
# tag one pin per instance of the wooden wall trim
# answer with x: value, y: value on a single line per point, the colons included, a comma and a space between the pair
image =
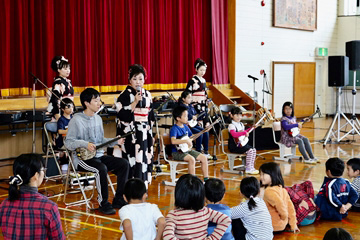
x: 231, y: 39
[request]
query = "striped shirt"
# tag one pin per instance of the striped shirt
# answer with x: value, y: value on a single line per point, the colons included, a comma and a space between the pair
x: 188, y: 224
x: 356, y: 185
x: 257, y: 221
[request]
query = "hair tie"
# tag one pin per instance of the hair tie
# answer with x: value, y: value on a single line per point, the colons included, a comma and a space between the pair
x: 61, y: 60
x: 16, y: 179
x: 251, y: 197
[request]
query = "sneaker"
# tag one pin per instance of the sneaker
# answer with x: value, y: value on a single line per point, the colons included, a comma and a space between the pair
x: 252, y: 172
x: 310, y: 161
x: 118, y: 203
x: 316, y: 160
x: 208, y: 156
x: 107, y: 209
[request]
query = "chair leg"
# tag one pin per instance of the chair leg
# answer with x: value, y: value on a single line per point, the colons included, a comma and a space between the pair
x: 232, y: 168
x: 111, y: 184
x: 86, y: 200
x: 173, y: 166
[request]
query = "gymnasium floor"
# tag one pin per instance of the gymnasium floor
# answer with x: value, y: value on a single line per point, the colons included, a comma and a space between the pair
x: 78, y: 223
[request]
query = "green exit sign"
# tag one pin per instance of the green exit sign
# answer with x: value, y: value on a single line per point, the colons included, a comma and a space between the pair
x: 321, y: 52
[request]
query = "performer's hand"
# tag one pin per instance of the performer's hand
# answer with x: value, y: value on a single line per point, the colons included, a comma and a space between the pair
x: 121, y: 141
x: 247, y: 134
x: 138, y: 97
x: 207, y: 124
x: 299, y: 125
x: 189, y: 143
x: 91, y: 147
x: 194, y: 118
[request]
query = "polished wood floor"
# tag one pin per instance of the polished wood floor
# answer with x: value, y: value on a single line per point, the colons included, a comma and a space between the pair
x: 80, y: 223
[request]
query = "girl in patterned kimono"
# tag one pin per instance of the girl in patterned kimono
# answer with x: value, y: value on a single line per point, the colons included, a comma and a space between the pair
x: 288, y: 122
x: 135, y: 113
x: 197, y: 87
x: 62, y: 87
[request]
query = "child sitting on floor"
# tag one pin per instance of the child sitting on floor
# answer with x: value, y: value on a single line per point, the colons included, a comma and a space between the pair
x: 139, y: 218
x: 336, y: 195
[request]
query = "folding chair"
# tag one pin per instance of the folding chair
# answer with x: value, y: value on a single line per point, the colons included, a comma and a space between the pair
x: 51, y: 128
x: 81, y: 180
x: 225, y: 108
x: 165, y: 140
x: 276, y: 126
x: 231, y: 156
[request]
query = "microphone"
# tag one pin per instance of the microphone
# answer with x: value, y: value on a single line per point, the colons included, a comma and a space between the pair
x: 139, y: 89
x: 254, y: 78
x: 262, y: 71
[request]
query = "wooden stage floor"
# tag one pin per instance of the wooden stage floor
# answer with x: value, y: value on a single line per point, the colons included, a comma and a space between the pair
x: 78, y: 223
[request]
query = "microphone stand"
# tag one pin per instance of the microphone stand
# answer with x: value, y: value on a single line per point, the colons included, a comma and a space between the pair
x: 254, y: 115
x: 36, y: 80
x: 34, y: 106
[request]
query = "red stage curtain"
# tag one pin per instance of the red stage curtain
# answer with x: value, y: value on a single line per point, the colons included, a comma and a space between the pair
x: 102, y: 38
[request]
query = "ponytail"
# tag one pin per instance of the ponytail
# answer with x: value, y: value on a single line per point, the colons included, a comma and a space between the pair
x: 251, y: 203
x: 14, y: 193
x: 250, y: 188
x: 24, y: 168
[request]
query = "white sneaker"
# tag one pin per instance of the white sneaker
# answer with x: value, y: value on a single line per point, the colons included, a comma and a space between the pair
x: 208, y: 156
x: 310, y: 161
x: 316, y: 160
x: 252, y: 172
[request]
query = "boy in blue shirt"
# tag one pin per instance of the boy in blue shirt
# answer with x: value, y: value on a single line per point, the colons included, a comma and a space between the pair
x: 179, y: 130
x: 214, y: 193
x: 67, y: 109
x: 336, y: 196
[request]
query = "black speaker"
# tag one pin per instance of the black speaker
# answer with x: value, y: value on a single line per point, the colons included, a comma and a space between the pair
x: 338, y: 71
x: 353, y: 52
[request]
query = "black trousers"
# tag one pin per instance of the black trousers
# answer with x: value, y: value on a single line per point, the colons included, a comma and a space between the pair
x: 238, y: 229
x: 101, y: 166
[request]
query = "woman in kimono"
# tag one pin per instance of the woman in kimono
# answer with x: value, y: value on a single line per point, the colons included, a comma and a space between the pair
x: 135, y: 113
x: 197, y: 87
x: 62, y: 87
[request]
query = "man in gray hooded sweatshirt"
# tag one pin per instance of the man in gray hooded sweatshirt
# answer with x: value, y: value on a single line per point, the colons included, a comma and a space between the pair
x: 86, y: 130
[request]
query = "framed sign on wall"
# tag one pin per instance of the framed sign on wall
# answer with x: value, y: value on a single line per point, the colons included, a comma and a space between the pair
x: 295, y: 14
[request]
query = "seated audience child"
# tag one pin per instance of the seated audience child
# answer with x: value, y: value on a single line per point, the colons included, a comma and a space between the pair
x: 277, y: 199
x: 251, y: 219
x: 27, y: 214
x: 190, y: 219
x: 180, y: 130
x: 302, y: 196
x: 353, y: 167
x: 336, y: 195
x: 337, y: 234
x: 139, y: 218
x: 236, y: 130
x: 288, y: 122
x: 214, y: 192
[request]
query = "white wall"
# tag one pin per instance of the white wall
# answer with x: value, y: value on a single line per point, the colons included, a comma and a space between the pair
x: 254, y: 25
